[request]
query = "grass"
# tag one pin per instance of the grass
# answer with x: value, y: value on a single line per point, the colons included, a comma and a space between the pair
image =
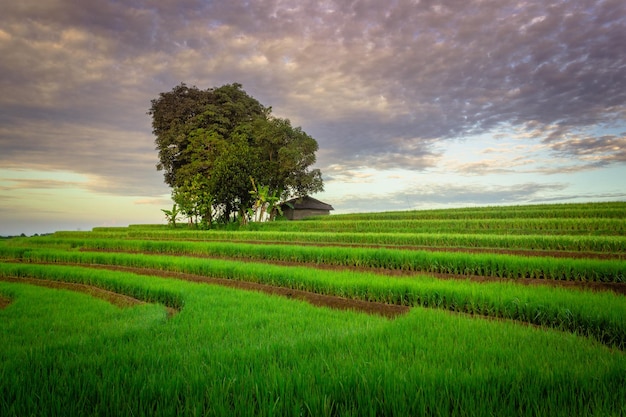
x: 492, y: 265
x: 598, y: 315
x: 601, y: 244
x: 215, y: 358
x: 516, y: 226
x: 545, y: 351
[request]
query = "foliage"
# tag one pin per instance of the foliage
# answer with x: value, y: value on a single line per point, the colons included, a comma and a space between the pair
x: 194, y: 202
x: 210, y: 142
x: 266, y: 202
x: 171, y: 215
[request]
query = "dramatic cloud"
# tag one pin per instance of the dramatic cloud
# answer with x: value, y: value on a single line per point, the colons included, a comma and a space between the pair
x: 381, y: 85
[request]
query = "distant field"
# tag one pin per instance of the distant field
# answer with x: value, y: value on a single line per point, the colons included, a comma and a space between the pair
x: 483, y: 311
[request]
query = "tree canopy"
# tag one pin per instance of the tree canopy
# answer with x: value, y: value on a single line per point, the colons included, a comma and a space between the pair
x: 215, y: 144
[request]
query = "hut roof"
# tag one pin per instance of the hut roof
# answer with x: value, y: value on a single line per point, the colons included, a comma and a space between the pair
x: 308, y: 203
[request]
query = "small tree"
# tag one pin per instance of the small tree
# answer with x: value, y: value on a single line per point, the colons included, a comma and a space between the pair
x: 265, y: 202
x: 171, y: 215
x: 195, y: 202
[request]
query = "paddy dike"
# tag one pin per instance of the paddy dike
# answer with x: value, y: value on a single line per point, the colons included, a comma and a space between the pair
x: 320, y: 300
x: 616, y: 287
x: 336, y: 302
x: 117, y: 299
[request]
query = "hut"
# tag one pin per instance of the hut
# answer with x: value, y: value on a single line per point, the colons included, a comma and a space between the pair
x: 299, y: 208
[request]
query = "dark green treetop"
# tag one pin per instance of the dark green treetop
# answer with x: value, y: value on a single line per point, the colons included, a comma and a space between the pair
x: 212, y: 142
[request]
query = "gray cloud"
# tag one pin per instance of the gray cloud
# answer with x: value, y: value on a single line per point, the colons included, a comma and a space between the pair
x: 601, y: 150
x: 19, y: 183
x: 378, y: 84
x: 480, y: 194
x: 114, y: 161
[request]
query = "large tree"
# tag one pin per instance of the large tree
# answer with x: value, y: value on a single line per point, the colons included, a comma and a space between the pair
x: 214, y: 143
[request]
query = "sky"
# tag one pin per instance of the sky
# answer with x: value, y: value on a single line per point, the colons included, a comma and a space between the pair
x: 415, y: 104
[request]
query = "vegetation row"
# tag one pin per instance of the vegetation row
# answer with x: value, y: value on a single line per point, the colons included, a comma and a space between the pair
x: 609, y: 210
x: 604, y: 244
x: 600, y: 316
x: 589, y: 226
x: 458, y: 263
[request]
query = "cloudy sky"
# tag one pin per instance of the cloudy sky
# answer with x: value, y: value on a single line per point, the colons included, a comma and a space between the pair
x: 414, y: 103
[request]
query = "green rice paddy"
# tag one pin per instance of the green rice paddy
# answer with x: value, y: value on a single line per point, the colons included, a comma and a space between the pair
x: 465, y: 348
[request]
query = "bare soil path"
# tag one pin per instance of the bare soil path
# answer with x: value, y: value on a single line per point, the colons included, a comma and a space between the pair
x: 4, y: 302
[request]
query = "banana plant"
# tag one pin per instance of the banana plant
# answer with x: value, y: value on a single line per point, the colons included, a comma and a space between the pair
x: 171, y: 215
x: 265, y: 202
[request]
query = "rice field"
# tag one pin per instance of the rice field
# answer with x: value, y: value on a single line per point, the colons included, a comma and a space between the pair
x: 464, y: 312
